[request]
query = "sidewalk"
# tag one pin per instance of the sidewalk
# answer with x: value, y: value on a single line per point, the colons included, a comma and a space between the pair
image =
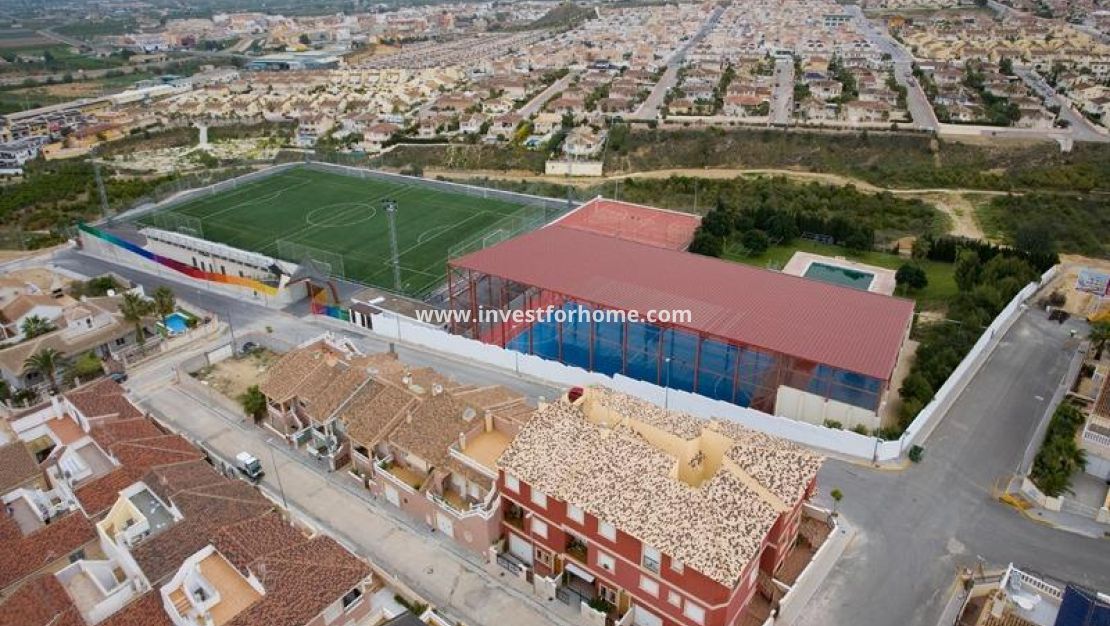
x: 437, y: 569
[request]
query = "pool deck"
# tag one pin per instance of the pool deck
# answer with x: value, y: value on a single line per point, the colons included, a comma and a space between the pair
x: 884, y: 278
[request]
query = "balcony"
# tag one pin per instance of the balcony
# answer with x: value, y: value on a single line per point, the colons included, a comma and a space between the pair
x: 577, y: 550
x: 403, y: 477
x: 514, y: 516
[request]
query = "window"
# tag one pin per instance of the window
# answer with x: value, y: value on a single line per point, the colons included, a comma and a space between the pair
x: 607, y: 530
x: 351, y: 598
x: 677, y: 565
x: 607, y: 593
x: 674, y: 598
x: 539, y: 498
x: 121, y: 341
x: 651, y: 559
x: 606, y: 562
x: 512, y: 483
x: 576, y: 514
x: 649, y: 585
x: 539, y: 527
x: 694, y: 612
x: 544, y: 556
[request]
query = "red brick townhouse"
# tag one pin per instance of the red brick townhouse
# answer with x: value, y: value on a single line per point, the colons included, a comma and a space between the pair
x: 644, y: 516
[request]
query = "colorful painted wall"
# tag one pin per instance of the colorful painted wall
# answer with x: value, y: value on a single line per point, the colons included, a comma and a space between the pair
x: 108, y: 245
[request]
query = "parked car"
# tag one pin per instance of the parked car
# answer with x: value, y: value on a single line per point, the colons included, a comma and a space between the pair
x: 119, y: 377
x: 249, y: 466
x: 249, y: 347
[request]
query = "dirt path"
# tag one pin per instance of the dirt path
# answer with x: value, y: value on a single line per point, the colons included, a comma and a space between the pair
x: 713, y: 173
x: 953, y: 202
x: 960, y: 211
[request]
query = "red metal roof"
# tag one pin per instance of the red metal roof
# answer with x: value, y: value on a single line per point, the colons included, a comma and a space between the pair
x: 847, y: 328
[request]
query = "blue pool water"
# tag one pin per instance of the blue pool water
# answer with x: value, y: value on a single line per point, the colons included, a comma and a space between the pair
x: 176, y: 323
x: 840, y: 275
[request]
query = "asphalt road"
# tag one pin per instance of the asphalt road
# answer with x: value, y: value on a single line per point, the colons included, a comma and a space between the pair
x: 649, y: 109
x: 920, y: 110
x: 541, y: 98
x: 246, y: 317
x: 782, y: 97
x: 916, y: 528
x: 919, y: 526
x: 1081, y: 128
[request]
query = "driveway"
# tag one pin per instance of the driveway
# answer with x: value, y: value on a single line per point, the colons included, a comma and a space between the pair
x: 919, y: 526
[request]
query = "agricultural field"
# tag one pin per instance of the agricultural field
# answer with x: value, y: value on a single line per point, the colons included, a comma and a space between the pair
x: 341, y: 220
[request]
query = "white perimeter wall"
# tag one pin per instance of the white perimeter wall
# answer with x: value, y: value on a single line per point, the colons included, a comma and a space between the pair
x: 834, y: 440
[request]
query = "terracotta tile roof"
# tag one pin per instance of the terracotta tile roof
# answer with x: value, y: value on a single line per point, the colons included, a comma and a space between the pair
x: 489, y: 397
x: 146, y: 610
x: 102, y: 398
x: 23, y: 555
x: 246, y: 541
x: 17, y: 466
x: 1102, y: 404
x: 171, y: 479
x: 303, y: 371
x: 100, y: 494
x: 615, y: 457
x: 138, y: 445
x: 373, y: 410
x: 206, y: 510
x: 435, y: 423
x: 111, y: 432
x: 301, y: 581
x: 321, y: 402
x: 146, y: 453
x: 40, y: 602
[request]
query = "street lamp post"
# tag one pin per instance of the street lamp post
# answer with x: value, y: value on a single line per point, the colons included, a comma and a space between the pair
x: 277, y: 474
x: 667, y: 385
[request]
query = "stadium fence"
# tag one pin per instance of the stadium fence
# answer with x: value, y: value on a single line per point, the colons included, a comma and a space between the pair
x: 536, y: 211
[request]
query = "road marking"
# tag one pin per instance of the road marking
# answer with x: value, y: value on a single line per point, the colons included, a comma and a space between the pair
x: 1039, y: 398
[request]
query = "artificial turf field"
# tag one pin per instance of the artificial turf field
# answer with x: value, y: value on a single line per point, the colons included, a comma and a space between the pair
x: 343, y: 214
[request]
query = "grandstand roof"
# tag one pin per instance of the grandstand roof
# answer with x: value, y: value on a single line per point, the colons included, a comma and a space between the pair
x: 846, y: 328
x: 635, y: 222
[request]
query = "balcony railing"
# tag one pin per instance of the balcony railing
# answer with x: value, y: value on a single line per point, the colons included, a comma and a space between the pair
x: 382, y: 467
x: 1096, y: 438
x: 483, y: 510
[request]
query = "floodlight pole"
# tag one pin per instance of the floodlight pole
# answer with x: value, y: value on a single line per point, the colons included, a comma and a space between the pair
x: 390, y: 213
x: 100, y: 188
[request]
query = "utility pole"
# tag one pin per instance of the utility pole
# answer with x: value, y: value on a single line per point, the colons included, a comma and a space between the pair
x: 390, y: 213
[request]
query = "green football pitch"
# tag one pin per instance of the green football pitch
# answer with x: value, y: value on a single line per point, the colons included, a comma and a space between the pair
x: 343, y: 215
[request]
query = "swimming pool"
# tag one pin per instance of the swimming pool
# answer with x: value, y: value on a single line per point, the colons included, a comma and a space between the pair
x: 176, y: 323
x: 846, y: 276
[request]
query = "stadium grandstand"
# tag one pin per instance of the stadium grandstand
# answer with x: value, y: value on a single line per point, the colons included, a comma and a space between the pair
x: 751, y: 330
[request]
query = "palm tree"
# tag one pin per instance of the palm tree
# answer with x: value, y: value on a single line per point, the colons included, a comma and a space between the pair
x: 34, y: 326
x: 46, y: 362
x: 253, y: 402
x: 134, y: 308
x: 164, y: 302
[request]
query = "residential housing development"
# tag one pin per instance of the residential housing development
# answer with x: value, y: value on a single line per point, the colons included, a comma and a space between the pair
x: 674, y: 519
x: 110, y: 519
